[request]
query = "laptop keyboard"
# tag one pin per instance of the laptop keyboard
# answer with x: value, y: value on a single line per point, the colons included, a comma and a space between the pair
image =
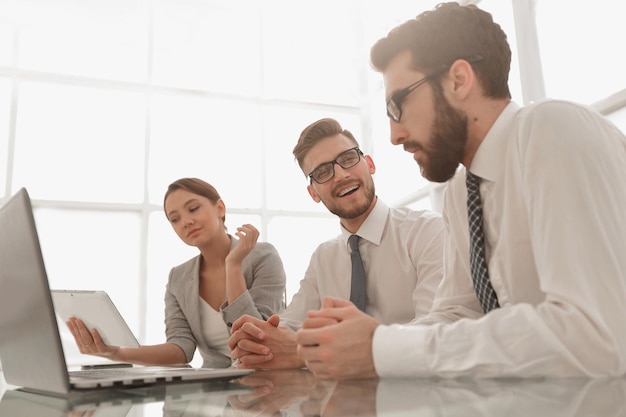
x: 105, y: 373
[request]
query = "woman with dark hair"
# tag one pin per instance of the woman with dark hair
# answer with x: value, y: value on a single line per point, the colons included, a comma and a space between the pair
x: 232, y: 276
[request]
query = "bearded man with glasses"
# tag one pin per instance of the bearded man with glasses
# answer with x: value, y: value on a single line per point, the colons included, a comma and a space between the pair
x: 401, y: 251
x: 534, y: 212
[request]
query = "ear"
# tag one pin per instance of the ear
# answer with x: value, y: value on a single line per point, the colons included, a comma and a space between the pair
x: 313, y: 194
x: 461, y: 80
x: 370, y: 163
x: 221, y: 208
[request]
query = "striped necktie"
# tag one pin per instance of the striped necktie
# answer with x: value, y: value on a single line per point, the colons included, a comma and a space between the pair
x: 480, y: 275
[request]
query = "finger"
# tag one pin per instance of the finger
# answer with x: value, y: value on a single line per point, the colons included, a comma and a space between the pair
x: 250, y: 229
x: 234, y: 338
x: 76, y: 334
x: 255, y: 360
x: 317, y: 322
x: 330, y: 302
x: 246, y: 230
x: 241, y: 321
x: 97, y: 339
x: 253, y: 331
x: 310, y: 338
x: 336, y: 313
x: 251, y: 346
x: 246, y: 332
x: 73, y: 330
x: 82, y: 335
x: 274, y: 320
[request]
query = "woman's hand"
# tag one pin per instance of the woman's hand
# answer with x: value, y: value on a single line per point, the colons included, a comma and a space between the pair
x: 248, y: 236
x: 90, y: 342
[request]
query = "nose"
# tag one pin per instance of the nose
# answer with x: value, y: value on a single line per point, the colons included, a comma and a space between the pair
x: 187, y: 220
x: 340, y: 172
x: 398, y: 135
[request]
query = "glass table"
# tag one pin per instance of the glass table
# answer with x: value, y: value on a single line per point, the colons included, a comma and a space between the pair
x: 299, y: 393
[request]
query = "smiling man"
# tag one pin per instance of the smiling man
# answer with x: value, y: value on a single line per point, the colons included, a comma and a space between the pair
x: 401, y: 250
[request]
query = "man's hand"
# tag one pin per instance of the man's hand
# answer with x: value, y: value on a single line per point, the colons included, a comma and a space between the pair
x: 336, y: 341
x: 259, y: 344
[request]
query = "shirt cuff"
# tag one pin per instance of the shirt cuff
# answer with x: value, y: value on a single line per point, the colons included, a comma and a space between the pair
x: 398, y: 351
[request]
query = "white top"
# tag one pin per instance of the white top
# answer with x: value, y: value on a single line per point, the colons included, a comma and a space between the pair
x: 402, y: 253
x: 554, y: 195
x: 214, y: 330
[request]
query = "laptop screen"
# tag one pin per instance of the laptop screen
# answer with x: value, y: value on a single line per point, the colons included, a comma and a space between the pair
x: 30, y: 347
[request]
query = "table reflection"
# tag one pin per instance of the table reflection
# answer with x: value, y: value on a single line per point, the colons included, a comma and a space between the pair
x: 305, y: 396
x: 298, y: 393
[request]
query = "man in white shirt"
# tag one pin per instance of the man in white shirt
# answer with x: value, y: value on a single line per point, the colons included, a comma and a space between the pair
x: 402, y: 250
x: 553, y: 191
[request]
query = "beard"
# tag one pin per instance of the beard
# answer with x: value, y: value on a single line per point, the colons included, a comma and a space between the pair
x: 355, y: 210
x: 446, y: 147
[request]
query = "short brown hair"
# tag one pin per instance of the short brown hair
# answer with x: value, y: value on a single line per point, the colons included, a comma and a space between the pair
x: 196, y: 186
x: 315, y: 132
x: 438, y: 37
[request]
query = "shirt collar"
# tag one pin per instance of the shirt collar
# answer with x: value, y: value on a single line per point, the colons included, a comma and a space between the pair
x: 488, y: 162
x: 374, y: 225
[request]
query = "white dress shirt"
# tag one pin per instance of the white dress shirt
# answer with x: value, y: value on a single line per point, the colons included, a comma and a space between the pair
x: 554, y: 205
x: 402, y: 253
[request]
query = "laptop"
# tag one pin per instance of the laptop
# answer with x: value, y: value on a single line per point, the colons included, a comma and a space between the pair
x: 31, y: 351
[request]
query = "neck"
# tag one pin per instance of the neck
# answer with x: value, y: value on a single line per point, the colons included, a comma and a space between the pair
x: 214, y: 253
x: 479, y: 122
x: 352, y: 225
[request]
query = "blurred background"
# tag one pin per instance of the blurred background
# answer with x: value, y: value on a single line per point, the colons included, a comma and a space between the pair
x: 103, y: 103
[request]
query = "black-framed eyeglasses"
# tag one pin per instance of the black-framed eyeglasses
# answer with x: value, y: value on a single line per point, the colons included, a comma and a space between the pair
x: 326, y: 171
x: 394, y: 104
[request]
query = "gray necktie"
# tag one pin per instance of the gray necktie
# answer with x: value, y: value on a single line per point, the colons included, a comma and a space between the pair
x: 357, y: 289
x: 480, y: 275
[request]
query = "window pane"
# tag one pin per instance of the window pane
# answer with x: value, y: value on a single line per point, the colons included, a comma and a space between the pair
x: 5, y: 105
x: 296, y: 239
x: 580, y: 48
x: 205, y: 46
x: 7, y: 41
x: 103, y: 39
x: 313, y: 55
x: 79, y: 143
x: 218, y: 141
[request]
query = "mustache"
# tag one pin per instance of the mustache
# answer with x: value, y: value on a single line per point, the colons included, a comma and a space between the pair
x: 412, y: 147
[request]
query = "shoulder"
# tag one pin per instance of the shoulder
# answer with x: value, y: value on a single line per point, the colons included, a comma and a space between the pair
x: 185, y: 269
x: 558, y: 118
x: 558, y: 127
x: 404, y: 218
x: 549, y: 108
x: 330, y: 245
x: 182, y: 275
x: 263, y: 255
x: 263, y: 250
